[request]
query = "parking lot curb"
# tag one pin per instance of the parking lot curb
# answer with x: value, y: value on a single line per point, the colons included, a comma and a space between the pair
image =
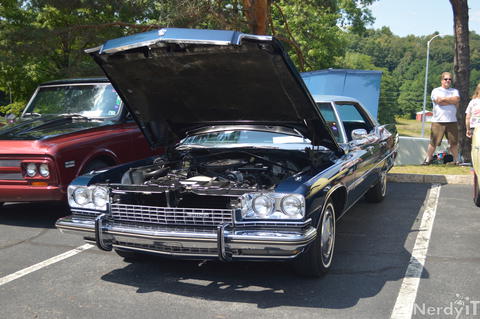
x: 430, y: 179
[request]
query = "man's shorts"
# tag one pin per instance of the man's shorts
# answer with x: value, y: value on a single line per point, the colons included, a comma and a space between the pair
x: 439, y: 130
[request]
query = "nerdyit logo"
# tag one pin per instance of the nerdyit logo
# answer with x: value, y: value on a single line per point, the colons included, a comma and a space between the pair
x: 461, y: 306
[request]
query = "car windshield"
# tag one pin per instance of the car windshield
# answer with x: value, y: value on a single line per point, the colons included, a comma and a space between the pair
x: 245, y: 137
x: 89, y: 100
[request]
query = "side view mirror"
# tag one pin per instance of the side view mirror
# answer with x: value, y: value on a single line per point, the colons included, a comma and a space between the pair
x: 359, y: 134
x: 10, y: 118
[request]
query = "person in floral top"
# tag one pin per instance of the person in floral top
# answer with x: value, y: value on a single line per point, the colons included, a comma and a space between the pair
x: 472, y: 117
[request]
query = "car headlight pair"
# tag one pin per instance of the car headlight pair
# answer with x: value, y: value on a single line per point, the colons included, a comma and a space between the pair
x: 91, y: 197
x: 273, y: 206
x: 32, y: 169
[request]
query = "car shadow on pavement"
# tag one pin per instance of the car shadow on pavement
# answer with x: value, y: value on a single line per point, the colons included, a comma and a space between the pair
x: 370, y: 251
x: 37, y: 215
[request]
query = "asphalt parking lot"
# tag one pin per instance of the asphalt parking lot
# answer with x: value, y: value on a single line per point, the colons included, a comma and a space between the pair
x: 415, y: 255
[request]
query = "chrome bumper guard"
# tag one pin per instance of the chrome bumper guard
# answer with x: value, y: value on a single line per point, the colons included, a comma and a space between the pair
x: 226, y: 242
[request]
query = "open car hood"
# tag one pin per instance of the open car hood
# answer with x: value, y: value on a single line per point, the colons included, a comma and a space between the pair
x: 176, y: 80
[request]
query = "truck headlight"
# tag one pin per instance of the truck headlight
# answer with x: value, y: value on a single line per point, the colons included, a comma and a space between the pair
x: 272, y: 206
x: 31, y: 169
x: 44, y: 170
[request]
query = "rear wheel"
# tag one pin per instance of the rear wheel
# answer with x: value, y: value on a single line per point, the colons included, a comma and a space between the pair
x: 377, y: 193
x: 476, y: 190
x: 317, y: 258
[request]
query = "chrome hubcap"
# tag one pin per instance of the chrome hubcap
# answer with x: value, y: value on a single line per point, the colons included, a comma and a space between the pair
x: 328, y: 235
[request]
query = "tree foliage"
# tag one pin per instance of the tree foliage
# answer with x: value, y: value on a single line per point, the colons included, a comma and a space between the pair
x: 45, y: 39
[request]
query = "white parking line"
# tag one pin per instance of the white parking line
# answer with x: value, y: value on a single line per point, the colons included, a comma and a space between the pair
x: 408, y: 292
x: 43, y: 264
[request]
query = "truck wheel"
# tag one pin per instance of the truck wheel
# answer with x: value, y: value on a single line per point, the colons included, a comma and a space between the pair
x: 377, y: 193
x: 94, y: 165
x: 317, y: 258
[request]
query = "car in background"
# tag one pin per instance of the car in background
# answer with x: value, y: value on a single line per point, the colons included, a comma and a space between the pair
x: 68, y: 128
x: 263, y: 170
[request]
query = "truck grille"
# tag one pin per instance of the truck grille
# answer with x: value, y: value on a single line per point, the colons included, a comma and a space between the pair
x: 170, y: 215
x: 10, y: 170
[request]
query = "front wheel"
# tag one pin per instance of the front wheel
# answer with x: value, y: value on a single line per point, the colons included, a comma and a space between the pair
x: 317, y: 258
x: 377, y: 193
x: 476, y: 190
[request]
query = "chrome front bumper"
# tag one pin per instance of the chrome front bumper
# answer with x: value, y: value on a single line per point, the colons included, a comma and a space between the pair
x: 225, y: 243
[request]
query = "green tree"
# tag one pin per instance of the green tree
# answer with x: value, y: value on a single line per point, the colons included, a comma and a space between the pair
x: 45, y: 39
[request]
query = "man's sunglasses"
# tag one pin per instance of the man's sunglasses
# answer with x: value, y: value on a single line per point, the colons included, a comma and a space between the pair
x: 447, y: 79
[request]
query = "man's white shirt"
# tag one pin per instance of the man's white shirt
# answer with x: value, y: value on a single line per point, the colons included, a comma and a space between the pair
x: 444, y: 113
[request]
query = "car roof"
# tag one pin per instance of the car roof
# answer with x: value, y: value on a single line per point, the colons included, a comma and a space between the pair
x: 76, y: 81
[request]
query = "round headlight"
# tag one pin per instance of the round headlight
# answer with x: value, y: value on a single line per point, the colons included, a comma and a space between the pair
x: 81, y: 196
x: 100, y: 196
x: 44, y: 170
x: 291, y: 205
x: 31, y: 169
x: 263, y: 205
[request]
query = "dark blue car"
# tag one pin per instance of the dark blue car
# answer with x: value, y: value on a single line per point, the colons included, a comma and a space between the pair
x: 256, y: 168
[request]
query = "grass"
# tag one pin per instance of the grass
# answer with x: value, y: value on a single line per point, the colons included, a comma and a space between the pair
x: 434, y: 169
x: 412, y: 128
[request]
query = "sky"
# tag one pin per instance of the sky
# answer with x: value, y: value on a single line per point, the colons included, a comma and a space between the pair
x: 421, y: 17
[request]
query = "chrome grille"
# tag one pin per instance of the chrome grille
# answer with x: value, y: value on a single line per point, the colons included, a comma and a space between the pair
x: 11, y: 176
x: 170, y: 215
x: 6, y: 172
x: 10, y: 163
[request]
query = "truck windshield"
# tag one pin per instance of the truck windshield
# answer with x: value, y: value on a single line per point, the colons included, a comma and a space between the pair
x: 89, y: 100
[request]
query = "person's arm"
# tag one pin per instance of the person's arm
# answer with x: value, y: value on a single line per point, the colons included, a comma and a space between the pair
x: 453, y: 99
x: 468, y: 116
x: 448, y: 100
x: 467, y: 125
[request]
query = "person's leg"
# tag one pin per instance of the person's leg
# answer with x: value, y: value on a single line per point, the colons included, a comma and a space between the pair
x: 454, y: 150
x: 430, y: 151
x: 436, y: 134
x: 452, y: 137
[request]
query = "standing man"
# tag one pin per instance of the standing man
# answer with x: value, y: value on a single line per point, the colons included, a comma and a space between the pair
x: 444, y: 121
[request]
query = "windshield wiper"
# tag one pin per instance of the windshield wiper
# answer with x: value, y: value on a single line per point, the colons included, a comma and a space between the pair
x: 184, y: 146
x: 34, y: 114
x: 73, y: 115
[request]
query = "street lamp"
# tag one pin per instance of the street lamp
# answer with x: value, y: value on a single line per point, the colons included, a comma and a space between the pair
x: 426, y: 80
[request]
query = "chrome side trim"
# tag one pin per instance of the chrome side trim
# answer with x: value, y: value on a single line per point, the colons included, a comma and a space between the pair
x: 361, y: 178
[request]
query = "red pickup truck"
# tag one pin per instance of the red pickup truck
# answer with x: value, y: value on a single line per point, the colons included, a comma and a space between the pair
x: 68, y: 128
